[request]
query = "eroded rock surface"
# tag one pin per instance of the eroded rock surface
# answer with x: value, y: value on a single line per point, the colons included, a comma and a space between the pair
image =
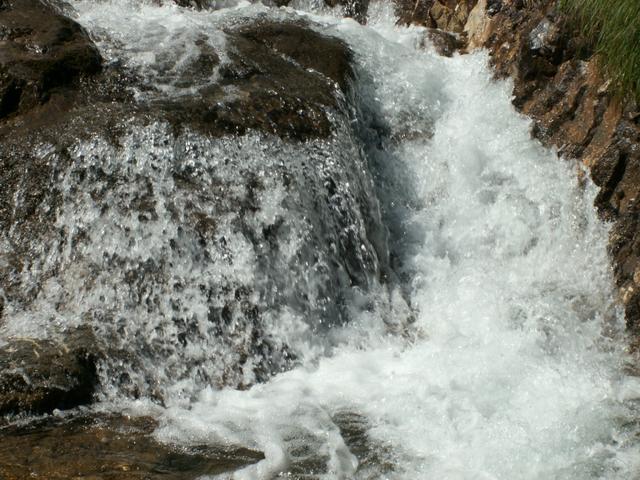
x: 108, y: 448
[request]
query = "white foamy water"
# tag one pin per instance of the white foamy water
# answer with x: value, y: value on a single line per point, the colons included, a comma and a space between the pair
x: 515, y: 367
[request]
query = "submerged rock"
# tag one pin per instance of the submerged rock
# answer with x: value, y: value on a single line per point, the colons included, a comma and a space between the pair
x: 374, y: 458
x: 39, y: 376
x: 108, y: 447
x: 193, y: 3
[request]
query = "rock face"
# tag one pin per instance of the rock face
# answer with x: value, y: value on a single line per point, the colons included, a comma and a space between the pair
x: 38, y: 376
x: 269, y: 70
x: 188, y: 224
x: 558, y: 84
x: 108, y: 448
x: 42, y: 56
x: 448, y: 15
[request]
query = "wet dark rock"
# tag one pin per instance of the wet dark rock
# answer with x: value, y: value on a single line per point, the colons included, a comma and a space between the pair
x: 327, y: 55
x: 625, y: 249
x: 373, y: 457
x: 445, y: 43
x: 285, y: 86
x: 108, y: 447
x: 493, y: 7
x: 42, y: 55
x: 285, y: 77
x: 39, y: 376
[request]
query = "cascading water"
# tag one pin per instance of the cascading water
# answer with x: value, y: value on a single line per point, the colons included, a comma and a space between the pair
x: 426, y: 294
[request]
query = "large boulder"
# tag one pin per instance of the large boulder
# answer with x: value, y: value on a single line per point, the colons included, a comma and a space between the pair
x: 199, y: 234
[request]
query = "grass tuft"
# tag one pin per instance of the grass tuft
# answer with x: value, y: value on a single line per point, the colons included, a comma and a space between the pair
x: 613, y: 26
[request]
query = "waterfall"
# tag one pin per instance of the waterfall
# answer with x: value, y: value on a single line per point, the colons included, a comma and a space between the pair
x: 422, y: 293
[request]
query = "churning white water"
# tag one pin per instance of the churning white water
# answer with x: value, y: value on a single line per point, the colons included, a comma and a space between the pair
x: 514, y: 366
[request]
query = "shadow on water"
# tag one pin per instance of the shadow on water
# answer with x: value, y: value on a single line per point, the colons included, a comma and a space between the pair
x: 394, y: 185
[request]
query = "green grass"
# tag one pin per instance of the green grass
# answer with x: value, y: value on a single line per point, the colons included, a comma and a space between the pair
x: 613, y: 29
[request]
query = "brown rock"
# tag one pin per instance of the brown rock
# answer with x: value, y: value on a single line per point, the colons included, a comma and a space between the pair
x: 441, y: 15
x: 477, y: 24
x: 108, y: 448
x: 445, y: 43
x: 286, y: 76
x: 286, y: 80
x: 42, y: 53
x: 448, y: 15
x: 414, y: 12
x: 624, y: 247
x: 460, y: 16
x: 41, y: 375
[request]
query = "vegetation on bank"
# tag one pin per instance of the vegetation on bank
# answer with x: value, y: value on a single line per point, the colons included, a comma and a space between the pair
x: 613, y: 30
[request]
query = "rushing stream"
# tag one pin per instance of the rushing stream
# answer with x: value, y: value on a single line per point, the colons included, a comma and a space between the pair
x: 464, y: 329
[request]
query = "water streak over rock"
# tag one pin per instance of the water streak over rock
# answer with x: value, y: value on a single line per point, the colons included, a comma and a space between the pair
x: 230, y: 201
